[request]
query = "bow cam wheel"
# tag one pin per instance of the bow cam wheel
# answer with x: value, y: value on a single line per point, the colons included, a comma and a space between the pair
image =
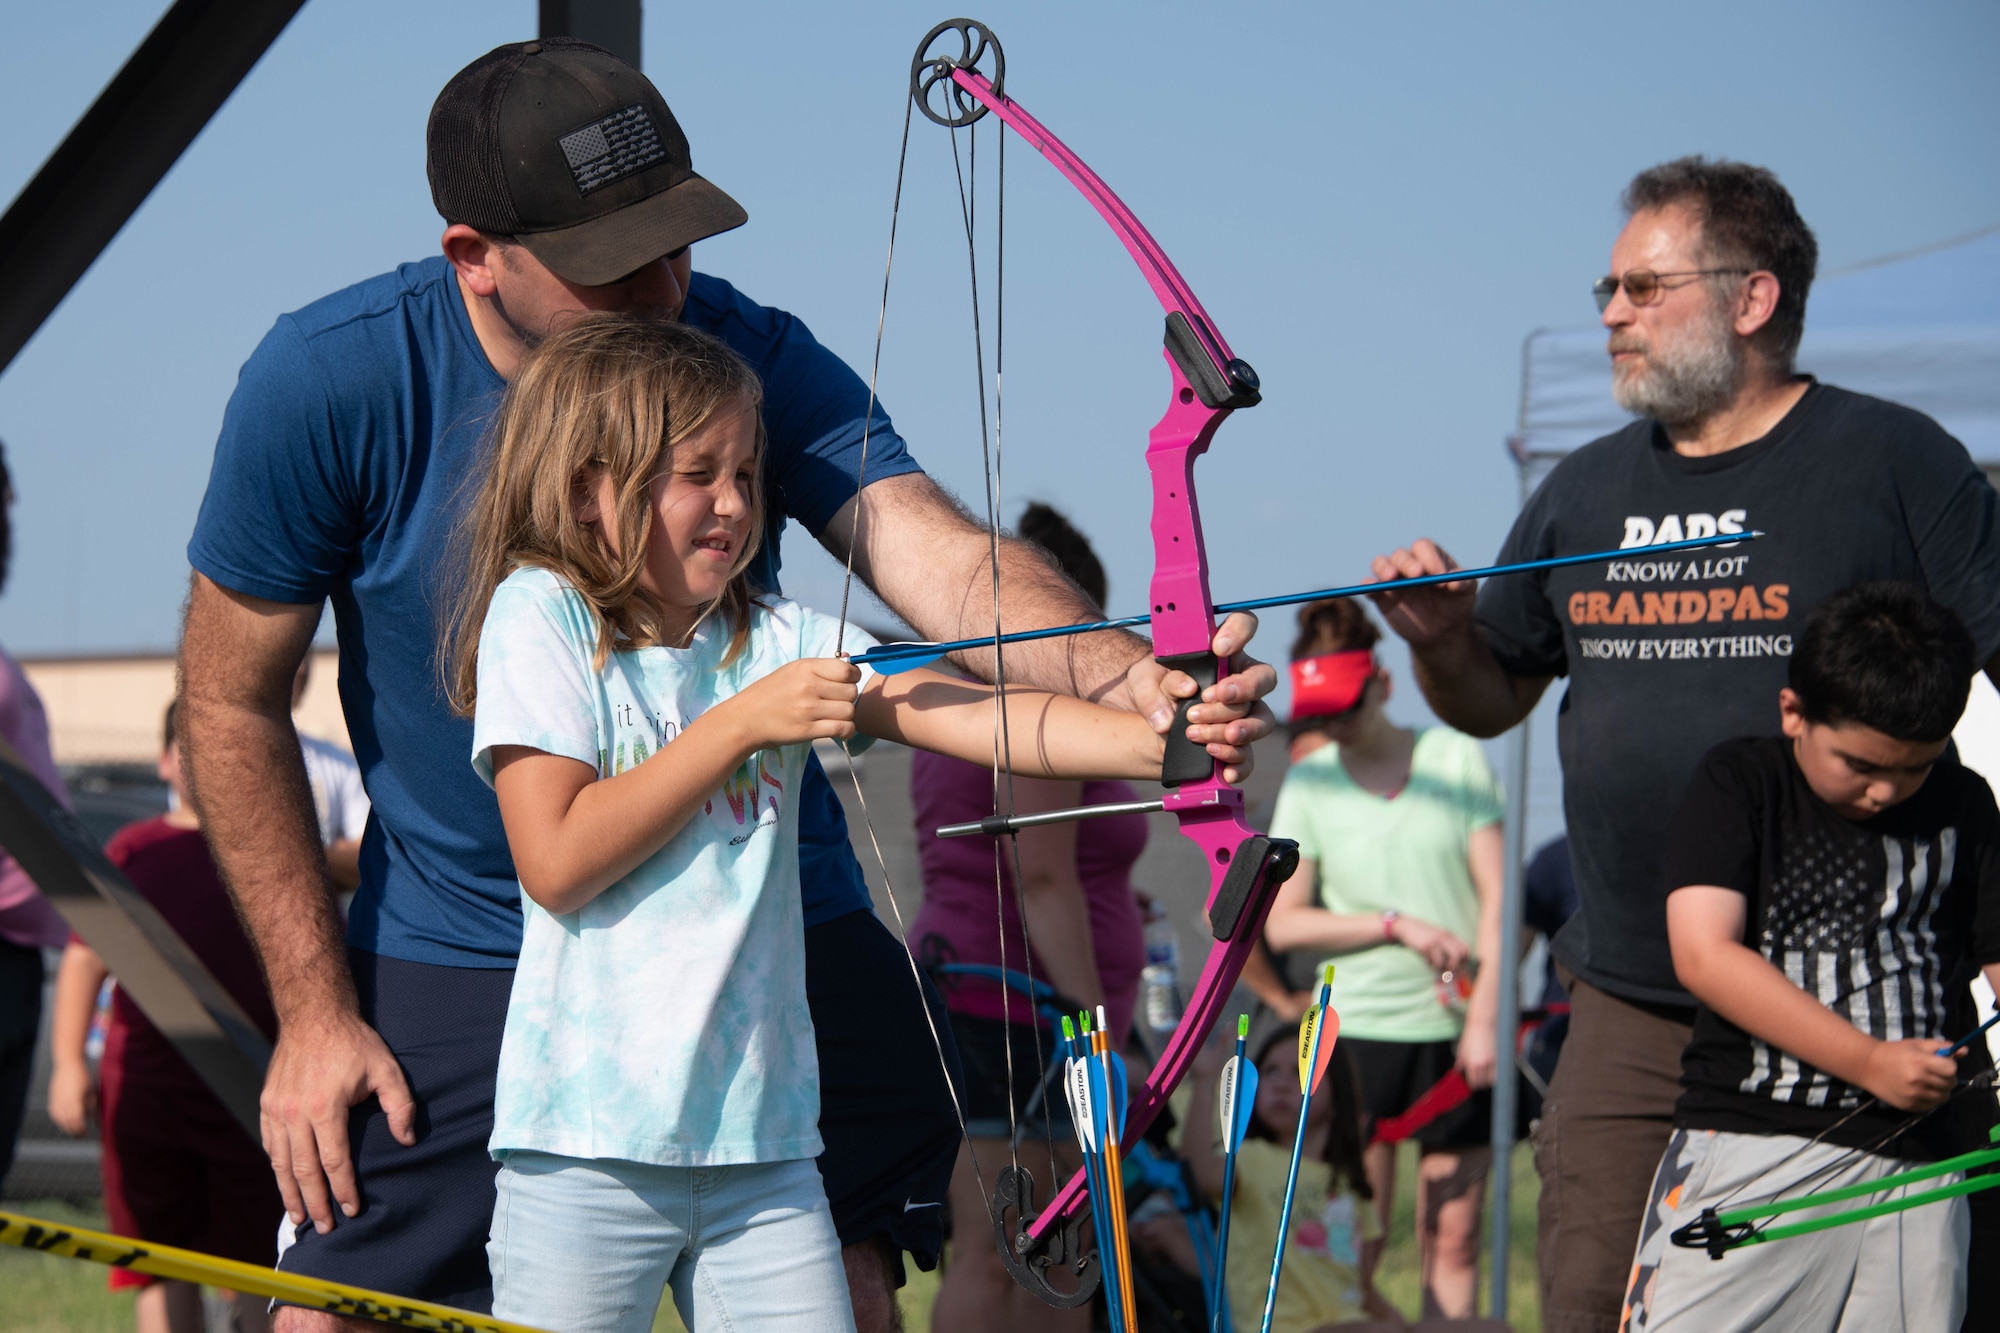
x: 955, y: 44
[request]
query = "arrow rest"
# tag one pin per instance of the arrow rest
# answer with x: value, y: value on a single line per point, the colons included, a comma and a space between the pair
x: 1031, y: 1261
x: 931, y: 87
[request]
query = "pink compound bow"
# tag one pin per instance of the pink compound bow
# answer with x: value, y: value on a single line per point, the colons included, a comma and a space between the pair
x: 1208, y: 382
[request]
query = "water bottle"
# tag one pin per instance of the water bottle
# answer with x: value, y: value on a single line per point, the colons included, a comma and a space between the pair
x: 1159, y: 983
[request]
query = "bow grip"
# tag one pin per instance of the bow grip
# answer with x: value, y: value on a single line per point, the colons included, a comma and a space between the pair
x: 1185, y: 761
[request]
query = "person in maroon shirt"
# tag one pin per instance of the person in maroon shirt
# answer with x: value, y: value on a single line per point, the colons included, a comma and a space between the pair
x: 178, y: 1169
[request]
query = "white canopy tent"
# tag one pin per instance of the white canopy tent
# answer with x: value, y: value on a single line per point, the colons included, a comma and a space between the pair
x: 1921, y: 329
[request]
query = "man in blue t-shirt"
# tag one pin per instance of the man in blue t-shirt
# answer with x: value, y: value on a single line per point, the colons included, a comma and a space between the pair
x: 355, y: 430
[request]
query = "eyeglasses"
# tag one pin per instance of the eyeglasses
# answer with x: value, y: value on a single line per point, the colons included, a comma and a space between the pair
x: 1643, y: 286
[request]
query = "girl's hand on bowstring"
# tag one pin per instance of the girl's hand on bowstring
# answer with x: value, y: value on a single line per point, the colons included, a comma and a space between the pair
x: 1910, y: 1075
x: 807, y: 700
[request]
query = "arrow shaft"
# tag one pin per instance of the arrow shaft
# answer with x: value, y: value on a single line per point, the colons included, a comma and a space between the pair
x: 1298, y: 1146
x: 1970, y: 1037
x: 995, y: 826
x: 1285, y: 1215
x: 898, y: 651
x: 1222, y: 1245
x: 1231, y: 1141
x: 1113, y: 1170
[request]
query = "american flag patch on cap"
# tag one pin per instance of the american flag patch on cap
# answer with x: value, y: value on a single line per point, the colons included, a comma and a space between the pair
x: 613, y: 148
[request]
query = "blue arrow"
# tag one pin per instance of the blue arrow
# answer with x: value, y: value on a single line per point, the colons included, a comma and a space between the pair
x: 891, y: 658
x: 1969, y: 1037
x: 1309, y: 1066
x: 1237, y: 1098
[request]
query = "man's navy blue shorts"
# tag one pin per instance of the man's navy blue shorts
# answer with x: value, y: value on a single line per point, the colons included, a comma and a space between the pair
x: 886, y: 1117
x: 885, y: 1107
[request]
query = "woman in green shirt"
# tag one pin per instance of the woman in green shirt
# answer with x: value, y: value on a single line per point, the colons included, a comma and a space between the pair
x: 1399, y: 833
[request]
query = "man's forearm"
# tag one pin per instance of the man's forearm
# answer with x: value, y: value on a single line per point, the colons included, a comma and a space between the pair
x: 248, y: 779
x: 926, y: 557
x: 1033, y: 596
x: 1467, y: 688
x: 249, y: 785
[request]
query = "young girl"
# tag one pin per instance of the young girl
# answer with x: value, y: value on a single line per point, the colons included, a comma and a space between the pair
x: 645, y: 720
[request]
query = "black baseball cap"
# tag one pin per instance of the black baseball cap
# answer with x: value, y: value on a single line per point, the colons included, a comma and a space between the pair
x: 571, y: 151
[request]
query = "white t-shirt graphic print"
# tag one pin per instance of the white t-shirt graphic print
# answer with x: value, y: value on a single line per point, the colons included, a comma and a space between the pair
x: 665, y: 1021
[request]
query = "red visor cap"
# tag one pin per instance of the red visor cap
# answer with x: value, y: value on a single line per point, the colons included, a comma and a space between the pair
x: 1330, y: 683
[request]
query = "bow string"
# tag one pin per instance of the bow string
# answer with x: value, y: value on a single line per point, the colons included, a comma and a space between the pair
x: 1721, y: 1228
x: 957, y: 79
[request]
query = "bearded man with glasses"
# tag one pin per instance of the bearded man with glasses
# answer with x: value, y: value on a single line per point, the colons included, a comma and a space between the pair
x: 1705, y: 304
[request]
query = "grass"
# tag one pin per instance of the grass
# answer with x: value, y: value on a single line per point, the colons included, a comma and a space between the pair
x: 40, y: 1291
x: 1399, y: 1278
x: 916, y: 1297
x: 45, y: 1291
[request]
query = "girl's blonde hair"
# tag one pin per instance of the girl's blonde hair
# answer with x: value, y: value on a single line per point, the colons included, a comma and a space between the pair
x: 611, y: 394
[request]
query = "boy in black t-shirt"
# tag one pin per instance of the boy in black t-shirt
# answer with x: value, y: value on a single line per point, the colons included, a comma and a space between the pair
x: 1833, y: 889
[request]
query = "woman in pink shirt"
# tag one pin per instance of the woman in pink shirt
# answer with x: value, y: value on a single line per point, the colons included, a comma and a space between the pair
x: 1085, y: 936
x: 28, y: 924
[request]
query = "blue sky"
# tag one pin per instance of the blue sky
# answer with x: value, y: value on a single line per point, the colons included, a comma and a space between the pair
x: 1376, y: 203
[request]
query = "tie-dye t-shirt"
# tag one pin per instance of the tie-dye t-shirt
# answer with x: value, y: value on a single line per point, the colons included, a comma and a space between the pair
x: 665, y: 1021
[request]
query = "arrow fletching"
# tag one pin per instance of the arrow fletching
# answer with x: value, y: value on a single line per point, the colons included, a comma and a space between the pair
x: 1115, y: 1065
x: 1313, y: 1060
x: 892, y: 659
x: 1307, y: 1026
x: 1329, y: 1034
x: 1076, y: 1084
x: 1238, y: 1101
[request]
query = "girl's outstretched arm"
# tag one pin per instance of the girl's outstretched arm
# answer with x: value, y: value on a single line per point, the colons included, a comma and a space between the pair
x: 1048, y: 735
x: 574, y: 834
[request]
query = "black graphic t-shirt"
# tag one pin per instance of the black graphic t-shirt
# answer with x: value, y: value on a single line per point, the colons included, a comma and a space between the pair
x: 1667, y: 656
x: 1882, y: 920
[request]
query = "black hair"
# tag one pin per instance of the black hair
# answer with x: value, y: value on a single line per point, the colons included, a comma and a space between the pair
x: 1048, y: 529
x: 1344, y: 1142
x: 1748, y: 219
x: 167, y: 729
x: 1885, y: 656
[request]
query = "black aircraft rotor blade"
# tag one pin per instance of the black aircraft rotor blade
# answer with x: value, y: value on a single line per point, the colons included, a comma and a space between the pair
x: 134, y: 132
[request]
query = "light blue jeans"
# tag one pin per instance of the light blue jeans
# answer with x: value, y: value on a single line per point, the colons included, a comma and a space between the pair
x: 589, y: 1246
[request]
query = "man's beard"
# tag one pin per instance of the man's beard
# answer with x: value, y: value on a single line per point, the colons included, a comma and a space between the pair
x: 1684, y: 382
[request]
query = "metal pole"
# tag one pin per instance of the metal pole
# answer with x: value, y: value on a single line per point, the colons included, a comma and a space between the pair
x: 611, y: 24
x: 1508, y: 1019
x: 1513, y: 896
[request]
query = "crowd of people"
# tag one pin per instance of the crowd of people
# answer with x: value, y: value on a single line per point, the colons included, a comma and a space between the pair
x: 609, y: 1016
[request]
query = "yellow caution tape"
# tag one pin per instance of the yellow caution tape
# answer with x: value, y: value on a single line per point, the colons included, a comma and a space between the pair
x: 165, y: 1261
